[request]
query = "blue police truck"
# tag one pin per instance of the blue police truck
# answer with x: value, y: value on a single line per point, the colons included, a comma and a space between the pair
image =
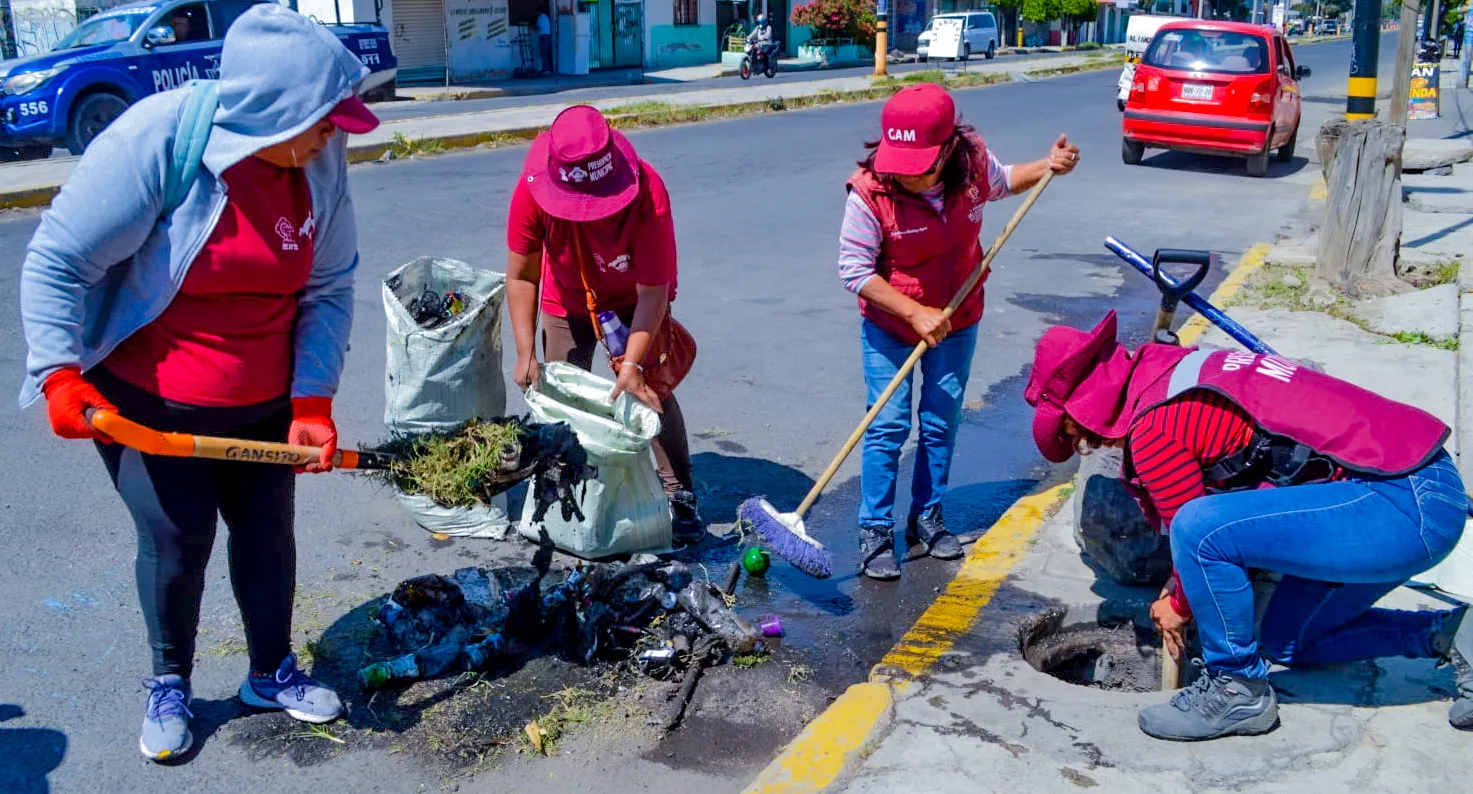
x: 63, y: 98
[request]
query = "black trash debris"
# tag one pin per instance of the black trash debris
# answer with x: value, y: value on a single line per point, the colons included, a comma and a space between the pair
x: 433, y: 309
x: 652, y: 614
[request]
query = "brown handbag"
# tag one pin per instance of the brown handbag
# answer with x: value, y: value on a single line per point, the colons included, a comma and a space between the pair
x: 672, y: 350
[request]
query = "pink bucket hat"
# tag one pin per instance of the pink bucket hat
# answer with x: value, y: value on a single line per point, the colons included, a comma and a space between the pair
x: 1064, y: 359
x: 581, y: 169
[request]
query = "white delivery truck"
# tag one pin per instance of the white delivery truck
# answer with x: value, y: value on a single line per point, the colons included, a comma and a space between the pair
x: 1138, y: 34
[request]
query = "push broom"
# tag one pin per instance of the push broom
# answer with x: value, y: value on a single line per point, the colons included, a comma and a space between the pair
x: 784, y: 533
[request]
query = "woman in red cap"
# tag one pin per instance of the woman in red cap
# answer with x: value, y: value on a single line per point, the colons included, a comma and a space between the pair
x: 910, y: 238
x: 1252, y: 461
x: 228, y: 316
x: 590, y: 226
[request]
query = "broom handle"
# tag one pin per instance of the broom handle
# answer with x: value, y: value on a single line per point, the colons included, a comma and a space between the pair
x: 920, y: 350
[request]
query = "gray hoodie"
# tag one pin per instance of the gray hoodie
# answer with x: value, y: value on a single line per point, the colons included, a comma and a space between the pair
x: 103, y: 265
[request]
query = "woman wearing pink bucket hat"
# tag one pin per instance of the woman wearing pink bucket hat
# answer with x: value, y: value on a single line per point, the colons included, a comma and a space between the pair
x: 590, y: 228
x: 909, y: 239
x: 1254, y: 462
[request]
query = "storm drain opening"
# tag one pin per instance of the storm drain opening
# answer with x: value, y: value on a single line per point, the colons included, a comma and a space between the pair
x: 1110, y: 646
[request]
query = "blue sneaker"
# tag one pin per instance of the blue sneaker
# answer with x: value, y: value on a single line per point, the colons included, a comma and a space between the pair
x: 166, y: 723
x: 293, y: 690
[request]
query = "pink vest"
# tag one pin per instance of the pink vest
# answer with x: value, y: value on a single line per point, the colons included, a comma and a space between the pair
x: 924, y: 255
x: 1357, y: 429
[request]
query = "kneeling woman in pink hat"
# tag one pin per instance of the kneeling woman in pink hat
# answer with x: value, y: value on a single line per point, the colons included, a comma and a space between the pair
x: 909, y: 240
x: 590, y: 227
x: 1252, y: 461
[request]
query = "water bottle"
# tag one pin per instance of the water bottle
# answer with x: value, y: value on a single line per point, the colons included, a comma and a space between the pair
x: 616, y: 336
x: 403, y: 668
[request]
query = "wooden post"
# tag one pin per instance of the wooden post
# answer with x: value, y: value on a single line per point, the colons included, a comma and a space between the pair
x: 1406, y: 55
x: 1358, y: 241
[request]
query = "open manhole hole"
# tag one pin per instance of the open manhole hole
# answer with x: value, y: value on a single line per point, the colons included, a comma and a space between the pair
x: 1110, y: 646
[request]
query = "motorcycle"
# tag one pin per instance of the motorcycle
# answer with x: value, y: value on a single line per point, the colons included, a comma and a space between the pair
x: 759, y: 59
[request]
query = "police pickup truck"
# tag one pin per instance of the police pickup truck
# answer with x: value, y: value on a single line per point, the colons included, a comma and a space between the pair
x: 66, y: 96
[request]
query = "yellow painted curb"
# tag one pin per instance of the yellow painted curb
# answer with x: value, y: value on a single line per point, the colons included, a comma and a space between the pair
x: 830, y: 743
x: 1318, y: 191
x: 838, y: 738
x: 1249, y: 263
x: 987, y: 566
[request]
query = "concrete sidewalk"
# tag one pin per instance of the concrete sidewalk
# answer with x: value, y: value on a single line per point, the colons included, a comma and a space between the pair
x: 33, y: 183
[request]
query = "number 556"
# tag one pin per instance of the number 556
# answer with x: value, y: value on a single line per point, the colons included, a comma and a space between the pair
x: 34, y: 108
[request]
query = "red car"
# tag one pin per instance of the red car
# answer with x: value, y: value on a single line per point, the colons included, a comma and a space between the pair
x: 1224, y: 88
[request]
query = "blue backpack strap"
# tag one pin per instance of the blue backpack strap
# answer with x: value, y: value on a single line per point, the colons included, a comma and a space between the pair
x: 195, y: 122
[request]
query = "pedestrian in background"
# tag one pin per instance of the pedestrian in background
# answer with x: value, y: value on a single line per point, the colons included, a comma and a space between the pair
x: 1363, y: 496
x: 590, y: 226
x: 910, y: 238
x: 229, y: 317
x: 544, y: 40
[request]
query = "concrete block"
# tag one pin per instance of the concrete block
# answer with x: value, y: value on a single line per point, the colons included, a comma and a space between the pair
x: 1420, y: 154
x: 1292, y: 255
x: 1433, y: 311
x: 1430, y: 193
x: 1437, y: 234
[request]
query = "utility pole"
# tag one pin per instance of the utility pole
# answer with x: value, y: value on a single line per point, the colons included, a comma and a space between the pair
x: 1360, y: 90
x: 882, y: 43
x: 1406, y: 55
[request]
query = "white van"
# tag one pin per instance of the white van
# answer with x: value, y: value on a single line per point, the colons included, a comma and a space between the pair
x: 1138, y: 34
x: 979, y: 34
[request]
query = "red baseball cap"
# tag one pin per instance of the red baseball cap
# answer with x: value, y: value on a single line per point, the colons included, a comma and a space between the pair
x: 915, y: 124
x: 582, y: 169
x: 353, y: 117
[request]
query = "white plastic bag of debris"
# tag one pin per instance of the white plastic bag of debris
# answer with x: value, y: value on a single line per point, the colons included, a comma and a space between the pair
x: 624, y: 509
x: 444, y: 369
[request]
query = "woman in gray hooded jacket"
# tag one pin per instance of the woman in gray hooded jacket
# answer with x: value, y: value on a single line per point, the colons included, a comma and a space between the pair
x: 229, y: 316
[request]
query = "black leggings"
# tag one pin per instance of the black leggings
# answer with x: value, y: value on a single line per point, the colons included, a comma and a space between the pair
x: 176, y: 502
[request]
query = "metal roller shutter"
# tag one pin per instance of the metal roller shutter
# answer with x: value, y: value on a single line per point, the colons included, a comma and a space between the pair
x: 419, y: 39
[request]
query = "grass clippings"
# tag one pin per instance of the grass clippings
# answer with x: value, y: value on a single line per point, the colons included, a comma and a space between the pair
x: 573, y: 707
x: 402, y: 146
x: 454, y: 469
x: 1293, y: 288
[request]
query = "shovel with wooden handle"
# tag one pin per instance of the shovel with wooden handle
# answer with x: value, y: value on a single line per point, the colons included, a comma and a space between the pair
x: 186, y: 445
x: 1172, y: 293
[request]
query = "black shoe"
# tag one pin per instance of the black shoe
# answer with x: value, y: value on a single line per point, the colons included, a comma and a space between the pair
x: 929, y: 532
x: 1454, y: 643
x: 685, y: 519
x: 877, y: 554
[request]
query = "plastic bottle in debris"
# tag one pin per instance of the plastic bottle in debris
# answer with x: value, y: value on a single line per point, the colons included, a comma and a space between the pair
x: 381, y: 674
x: 616, y: 336
x: 480, y: 654
x: 715, y: 617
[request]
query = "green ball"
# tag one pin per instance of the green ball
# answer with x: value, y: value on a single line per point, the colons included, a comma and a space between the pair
x: 756, y: 561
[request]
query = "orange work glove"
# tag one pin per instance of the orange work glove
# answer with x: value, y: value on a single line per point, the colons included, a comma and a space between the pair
x: 68, y: 396
x: 312, y: 426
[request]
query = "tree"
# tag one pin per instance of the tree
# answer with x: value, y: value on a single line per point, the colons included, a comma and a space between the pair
x: 1078, y: 12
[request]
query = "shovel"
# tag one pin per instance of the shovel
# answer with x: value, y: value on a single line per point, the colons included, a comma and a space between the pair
x: 186, y: 445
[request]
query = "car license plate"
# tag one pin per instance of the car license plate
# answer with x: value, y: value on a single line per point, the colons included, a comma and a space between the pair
x: 1196, y: 91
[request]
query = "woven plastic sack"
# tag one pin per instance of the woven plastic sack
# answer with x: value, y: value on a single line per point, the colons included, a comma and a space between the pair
x: 439, y: 378
x: 624, y: 509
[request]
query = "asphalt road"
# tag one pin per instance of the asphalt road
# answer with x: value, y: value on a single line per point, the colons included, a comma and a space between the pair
x: 778, y: 387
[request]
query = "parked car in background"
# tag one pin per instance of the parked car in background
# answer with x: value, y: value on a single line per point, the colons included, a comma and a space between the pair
x: 65, y: 97
x: 979, y: 34
x: 1224, y: 88
x: 1329, y: 27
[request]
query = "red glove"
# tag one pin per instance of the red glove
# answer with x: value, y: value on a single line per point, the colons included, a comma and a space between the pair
x: 312, y: 426
x: 68, y: 396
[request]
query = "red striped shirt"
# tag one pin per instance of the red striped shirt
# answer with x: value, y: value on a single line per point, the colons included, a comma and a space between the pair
x: 1172, y: 444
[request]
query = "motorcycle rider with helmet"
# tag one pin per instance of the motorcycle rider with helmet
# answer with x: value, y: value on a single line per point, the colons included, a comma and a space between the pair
x: 759, y: 42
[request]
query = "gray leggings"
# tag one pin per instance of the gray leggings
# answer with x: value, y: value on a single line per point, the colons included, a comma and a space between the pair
x: 176, y: 503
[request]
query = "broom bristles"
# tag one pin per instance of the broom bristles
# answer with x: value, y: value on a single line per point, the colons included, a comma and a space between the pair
x: 790, y: 543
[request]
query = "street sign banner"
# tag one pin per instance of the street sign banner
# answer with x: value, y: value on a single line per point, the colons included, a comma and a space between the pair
x: 1422, y: 99
x: 946, y: 38
x: 882, y: 7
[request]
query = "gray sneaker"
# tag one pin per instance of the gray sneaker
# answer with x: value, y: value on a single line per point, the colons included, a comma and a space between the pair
x: 293, y: 690
x: 1213, y: 706
x: 1455, y: 643
x: 929, y: 532
x: 166, y: 722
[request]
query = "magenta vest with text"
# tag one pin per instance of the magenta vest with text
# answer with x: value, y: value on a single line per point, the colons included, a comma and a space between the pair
x: 926, y: 255
x: 1358, y: 429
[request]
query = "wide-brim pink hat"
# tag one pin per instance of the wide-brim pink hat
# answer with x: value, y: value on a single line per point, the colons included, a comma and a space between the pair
x: 581, y: 169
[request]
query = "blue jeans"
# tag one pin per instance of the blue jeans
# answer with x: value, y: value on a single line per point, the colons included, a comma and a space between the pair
x: 1341, y: 546
x: 944, y: 372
